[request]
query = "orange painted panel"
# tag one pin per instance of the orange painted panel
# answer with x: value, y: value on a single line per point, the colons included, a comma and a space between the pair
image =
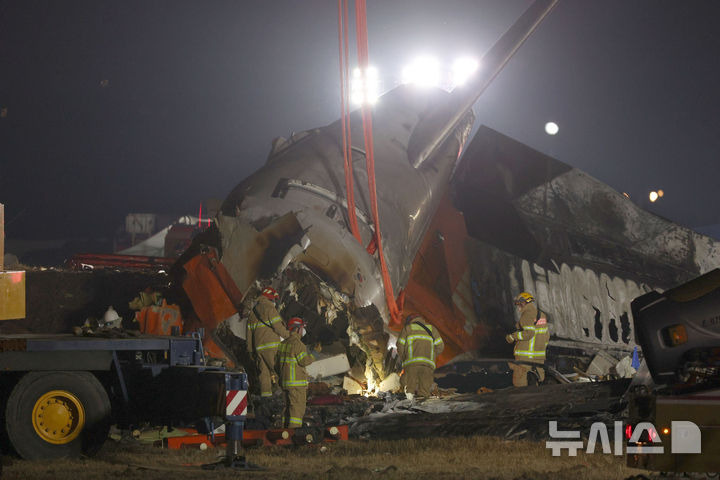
x: 433, y: 289
x: 209, y: 300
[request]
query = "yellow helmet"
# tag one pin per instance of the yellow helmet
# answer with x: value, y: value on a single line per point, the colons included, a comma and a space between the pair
x: 524, y: 298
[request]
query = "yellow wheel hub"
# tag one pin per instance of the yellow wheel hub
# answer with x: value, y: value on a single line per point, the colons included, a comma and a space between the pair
x: 58, y: 417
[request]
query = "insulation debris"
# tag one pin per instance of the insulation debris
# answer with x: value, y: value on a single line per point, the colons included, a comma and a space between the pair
x: 351, y: 386
x: 624, y: 368
x: 601, y: 364
x: 510, y: 413
x: 390, y: 384
x: 327, y: 367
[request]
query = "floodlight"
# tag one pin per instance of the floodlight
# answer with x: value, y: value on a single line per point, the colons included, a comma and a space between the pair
x: 423, y: 71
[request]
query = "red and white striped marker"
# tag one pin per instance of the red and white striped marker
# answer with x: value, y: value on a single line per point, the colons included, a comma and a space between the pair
x: 235, y: 403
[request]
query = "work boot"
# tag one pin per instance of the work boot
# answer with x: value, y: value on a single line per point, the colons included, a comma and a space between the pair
x: 533, y: 379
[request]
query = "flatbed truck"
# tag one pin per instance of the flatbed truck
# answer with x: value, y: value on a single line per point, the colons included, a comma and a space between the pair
x: 61, y: 393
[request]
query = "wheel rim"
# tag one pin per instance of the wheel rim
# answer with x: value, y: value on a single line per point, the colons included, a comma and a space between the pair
x: 58, y: 417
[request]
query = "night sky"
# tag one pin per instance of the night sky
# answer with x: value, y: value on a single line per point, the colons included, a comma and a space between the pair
x: 112, y: 107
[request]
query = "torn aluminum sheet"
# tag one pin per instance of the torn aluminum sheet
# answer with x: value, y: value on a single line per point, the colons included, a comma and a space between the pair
x: 351, y: 386
x: 237, y: 325
x: 391, y: 383
x: 329, y: 366
x: 600, y: 365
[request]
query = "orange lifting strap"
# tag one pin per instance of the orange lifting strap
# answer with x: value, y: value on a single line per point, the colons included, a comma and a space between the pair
x: 363, y: 61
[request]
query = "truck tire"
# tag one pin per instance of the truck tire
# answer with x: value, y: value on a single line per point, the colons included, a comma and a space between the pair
x: 57, y: 414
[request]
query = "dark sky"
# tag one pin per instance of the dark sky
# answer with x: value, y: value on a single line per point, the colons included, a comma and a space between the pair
x: 152, y: 106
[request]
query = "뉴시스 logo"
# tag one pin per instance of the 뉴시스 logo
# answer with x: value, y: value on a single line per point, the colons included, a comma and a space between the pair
x: 684, y: 438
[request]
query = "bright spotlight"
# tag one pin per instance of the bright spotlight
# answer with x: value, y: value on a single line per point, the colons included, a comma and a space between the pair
x: 423, y: 71
x: 653, y: 196
x: 462, y: 69
x: 365, y: 88
x: 551, y: 128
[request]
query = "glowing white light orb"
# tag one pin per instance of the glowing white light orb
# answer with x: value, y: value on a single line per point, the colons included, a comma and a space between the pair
x: 423, y: 71
x: 551, y: 128
x: 653, y: 196
x: 462, y: 69
x: 365, y: 88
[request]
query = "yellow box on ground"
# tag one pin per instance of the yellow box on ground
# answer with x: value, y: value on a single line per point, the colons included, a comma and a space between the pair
x: 12, y: 295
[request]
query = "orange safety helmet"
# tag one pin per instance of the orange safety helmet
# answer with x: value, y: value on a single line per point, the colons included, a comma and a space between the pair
x: 270, y: 293
x: 296, y: 322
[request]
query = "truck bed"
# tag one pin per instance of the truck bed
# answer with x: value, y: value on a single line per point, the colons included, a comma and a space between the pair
x: 70, y: 352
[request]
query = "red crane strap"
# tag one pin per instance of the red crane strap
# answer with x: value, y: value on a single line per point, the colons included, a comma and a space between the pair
x: 345, y: 115
x: 363, y: 61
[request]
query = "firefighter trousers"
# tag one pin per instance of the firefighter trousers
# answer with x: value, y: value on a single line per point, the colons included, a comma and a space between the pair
x: 418, y: 380
x: 295, y: 398
x: 266, y: 365
x: 521, y: 370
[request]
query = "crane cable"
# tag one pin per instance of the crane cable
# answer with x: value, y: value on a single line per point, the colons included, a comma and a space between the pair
x: 363, y: 61
x: 345, y: 115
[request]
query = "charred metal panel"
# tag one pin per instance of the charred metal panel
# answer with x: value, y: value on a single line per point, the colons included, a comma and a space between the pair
x: 549, y: 213
x: 582, y: 304
x: 583, y: 249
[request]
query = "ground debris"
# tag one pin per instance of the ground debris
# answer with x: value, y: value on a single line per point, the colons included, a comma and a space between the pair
x: 350, y: 470
x: 412, y: 459
x: 509, y: 413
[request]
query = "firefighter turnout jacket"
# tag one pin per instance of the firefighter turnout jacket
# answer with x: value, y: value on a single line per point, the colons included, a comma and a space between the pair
x: 419, y: 343
x: 292, y: 358
x: 532, y: 338
x: 265, y: 327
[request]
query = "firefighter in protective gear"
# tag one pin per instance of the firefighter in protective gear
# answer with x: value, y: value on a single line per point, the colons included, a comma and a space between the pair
x: 264, y: 329
x: 292, y: 358
x: 530, y: 338
x: 418, y: 346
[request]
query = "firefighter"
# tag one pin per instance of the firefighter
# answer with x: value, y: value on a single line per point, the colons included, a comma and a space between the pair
x: 531, y: 338
x: 418, y: 346
x: 264, y: 329
x: 292, y: 358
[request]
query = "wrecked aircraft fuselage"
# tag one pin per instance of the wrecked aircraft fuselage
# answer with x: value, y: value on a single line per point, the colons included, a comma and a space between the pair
x: 291, y: 215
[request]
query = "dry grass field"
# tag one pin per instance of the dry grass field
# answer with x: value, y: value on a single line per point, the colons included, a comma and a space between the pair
x: 474, y: 457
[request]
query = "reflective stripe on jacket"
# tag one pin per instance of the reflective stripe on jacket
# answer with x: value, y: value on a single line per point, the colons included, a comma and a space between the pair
x: 416, y: 347
x: 291, y: 360
x: 264, y: 333
x: 531, y: 341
